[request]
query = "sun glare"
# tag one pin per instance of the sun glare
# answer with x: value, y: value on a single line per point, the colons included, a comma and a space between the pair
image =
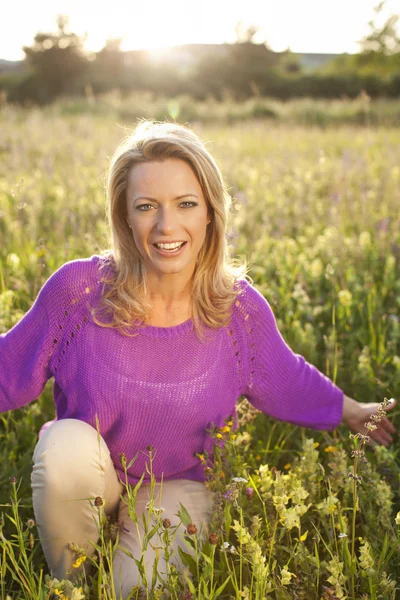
x: 156, y: 34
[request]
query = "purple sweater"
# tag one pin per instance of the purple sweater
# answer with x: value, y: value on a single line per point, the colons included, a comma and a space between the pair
x: 164, y: 386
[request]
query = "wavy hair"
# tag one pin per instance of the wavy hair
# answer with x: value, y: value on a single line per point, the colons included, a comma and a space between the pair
x: 124, y: 300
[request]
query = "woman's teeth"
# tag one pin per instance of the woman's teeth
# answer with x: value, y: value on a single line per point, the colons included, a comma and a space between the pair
x: 170, y: 247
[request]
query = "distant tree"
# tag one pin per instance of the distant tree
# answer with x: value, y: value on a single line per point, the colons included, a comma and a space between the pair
x: 379, y: 54
x: 107, y: 70
x: 383, y: 40
x: 57, y: 60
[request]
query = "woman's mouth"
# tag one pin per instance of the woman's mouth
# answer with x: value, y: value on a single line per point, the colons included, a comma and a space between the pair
x: 169, y: 248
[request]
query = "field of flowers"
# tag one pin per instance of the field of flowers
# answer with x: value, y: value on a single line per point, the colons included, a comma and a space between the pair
x: 298, y: 513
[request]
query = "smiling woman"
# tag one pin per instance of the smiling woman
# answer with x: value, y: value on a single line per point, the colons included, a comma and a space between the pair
x: 157, y: 338
x: 167, y: 214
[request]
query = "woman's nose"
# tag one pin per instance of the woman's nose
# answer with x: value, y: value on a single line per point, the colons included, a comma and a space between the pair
x: 165, y: 222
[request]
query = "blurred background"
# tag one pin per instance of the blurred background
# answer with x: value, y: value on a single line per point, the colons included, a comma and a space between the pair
x: 217, y: 49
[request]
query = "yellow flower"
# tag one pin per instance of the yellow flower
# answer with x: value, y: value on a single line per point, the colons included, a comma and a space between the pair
x: 397, y: 519
x: 332, y: 449
x: 219, y: 436
x: 79, y: 561
x: 287, y: 466
x: 226, y: 429
x: 316, y: 444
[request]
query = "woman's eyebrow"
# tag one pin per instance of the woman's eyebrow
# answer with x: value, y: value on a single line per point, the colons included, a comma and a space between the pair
x: 177, y: 197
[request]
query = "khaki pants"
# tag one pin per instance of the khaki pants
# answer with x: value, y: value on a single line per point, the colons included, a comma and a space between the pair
x: 72, y: 465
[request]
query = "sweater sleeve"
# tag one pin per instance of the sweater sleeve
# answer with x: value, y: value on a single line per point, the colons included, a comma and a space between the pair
x: 25, y: 350
x: 279, y: 382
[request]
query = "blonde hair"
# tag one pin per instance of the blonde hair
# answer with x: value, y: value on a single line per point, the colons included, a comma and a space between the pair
x: 124, y: 297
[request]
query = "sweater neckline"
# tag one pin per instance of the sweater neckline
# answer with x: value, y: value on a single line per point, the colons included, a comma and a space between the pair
x: 166, y: 332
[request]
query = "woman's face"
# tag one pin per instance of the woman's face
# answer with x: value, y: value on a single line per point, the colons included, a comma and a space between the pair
x: 168, y: 215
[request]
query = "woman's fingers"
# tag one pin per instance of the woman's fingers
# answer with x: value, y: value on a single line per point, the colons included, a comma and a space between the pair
x: 381, y: 437
x: 388, y: 425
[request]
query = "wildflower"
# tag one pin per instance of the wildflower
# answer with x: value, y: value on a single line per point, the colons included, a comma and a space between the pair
x: 366, y: 559
x: 226, y: 547
x: 341, y: 536
x: 158, y: 510
x: 370, y: 426
x: 239, y: 480
x: 219, y: 436
x: 30, y: 523
x: 345, y: 298
x: 13, y: 480
x: 191, y: 529
x: 332, y: 449
x: 166, y: 523
x: 397, y: 519
x: 225, y: 429
x: 118, y: 528
x: 79, y: 561
x: 328, y: 506
x: 316, y: 444
x: 287, y: 466
x: 213, y: 539
x: 256, y: 523
x: 286, y: 576
x: 249, y: 492
x: 337, y: 578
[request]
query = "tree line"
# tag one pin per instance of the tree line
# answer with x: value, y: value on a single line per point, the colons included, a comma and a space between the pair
x: 56, y: 64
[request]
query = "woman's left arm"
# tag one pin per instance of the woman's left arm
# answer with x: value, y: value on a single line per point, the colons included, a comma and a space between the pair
x: 356, y: 414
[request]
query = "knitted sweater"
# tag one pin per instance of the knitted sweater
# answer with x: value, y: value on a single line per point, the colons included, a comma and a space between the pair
x: 163, y: 387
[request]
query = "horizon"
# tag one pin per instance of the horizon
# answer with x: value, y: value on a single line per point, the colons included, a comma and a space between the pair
x: 323, y: 28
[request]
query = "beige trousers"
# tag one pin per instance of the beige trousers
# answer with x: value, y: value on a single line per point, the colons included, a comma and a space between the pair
x: 72, y: 466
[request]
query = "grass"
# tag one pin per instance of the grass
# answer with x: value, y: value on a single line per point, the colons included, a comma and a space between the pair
x: 316, y: 214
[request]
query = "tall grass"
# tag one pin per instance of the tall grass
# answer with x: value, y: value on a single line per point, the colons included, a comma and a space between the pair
x: 316, y: 213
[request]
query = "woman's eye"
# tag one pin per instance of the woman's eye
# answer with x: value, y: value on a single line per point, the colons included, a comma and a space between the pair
x: 144, y: 207
x: 188, y: 204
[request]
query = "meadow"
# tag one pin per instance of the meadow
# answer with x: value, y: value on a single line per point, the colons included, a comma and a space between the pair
x: 298, y: 513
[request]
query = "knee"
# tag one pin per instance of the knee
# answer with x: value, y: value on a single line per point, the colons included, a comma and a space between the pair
x: 67, y: 451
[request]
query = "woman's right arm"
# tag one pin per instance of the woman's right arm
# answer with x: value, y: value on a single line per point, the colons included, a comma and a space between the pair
x: 25, y: 352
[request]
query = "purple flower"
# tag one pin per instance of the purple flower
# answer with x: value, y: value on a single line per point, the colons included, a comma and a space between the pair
x: 249, y: 492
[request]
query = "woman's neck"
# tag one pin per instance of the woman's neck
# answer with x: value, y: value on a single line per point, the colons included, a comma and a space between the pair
x: 171, y: 302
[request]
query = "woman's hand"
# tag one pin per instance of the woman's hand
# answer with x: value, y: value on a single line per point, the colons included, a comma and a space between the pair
x: 356, y: 414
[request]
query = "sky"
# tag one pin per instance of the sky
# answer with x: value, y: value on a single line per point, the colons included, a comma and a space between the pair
x: 320, y: 26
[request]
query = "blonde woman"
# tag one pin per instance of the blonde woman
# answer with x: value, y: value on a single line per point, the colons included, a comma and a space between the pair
x: 148, y: 346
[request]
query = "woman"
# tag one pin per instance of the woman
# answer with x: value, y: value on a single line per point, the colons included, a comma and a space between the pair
x: 148, y: 346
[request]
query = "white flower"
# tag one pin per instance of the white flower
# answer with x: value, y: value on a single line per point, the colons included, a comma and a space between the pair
x: 239, y: 480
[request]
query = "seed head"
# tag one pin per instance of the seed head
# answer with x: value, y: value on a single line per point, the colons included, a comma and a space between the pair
x: 191, y: 529
x: 166, y: 523
x: 213, y: 539
x: 13, y: 480
x: 150, y: 448
x: 98, y: 501
x: 30, y: 523
x: 122, y: 458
